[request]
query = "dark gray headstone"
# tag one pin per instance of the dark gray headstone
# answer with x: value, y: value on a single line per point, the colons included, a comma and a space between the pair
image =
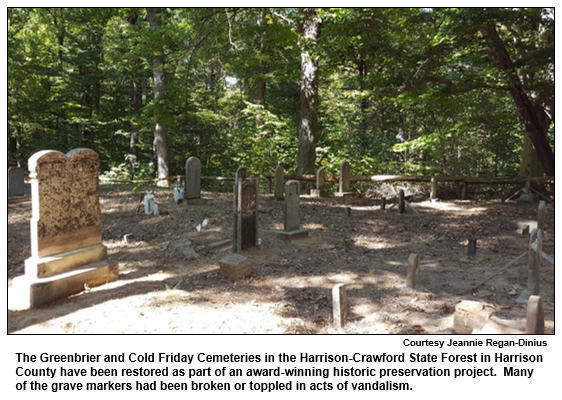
x: 246, y: 229
x: 192, y: 178
x: 15, y: 182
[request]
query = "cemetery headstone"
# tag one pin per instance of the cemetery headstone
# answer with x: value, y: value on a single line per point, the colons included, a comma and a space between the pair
x: 345, y: 178
x: 535, y: 316
x: 339, y: 305
x: 246, y: 229
x: 291, y: 221
x: 15, y: 184
x: 433, y: 193
x: 240, y: 176
x: 192, y: 178
x: 320, y: 190
x: 66, y: 244
x: 413, y: 275
x: 279, y: 182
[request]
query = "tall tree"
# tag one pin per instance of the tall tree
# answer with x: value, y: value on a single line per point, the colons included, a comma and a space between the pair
x: 308, y: 126
x: 161, y: 150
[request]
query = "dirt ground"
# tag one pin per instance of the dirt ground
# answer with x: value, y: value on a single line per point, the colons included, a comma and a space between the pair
x: 289, y: 289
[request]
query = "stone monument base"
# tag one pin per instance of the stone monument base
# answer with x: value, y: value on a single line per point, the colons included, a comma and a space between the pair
x: 195, y: 202
x: 60, y: 275
x: 345, y: 194
x: 18, y: 199
x: 293, y: 235
x: 235, y: 266
x: 319, y: 193
x: 34, y: 292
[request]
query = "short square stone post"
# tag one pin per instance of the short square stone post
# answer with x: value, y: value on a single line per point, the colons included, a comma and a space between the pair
x: 433, y: 194
x: 339, y: 305
x: 401, y: 203
x: 413, y: 275
x: 535, y: 316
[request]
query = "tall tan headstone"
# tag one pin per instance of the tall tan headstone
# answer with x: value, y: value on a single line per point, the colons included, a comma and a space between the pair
x: 66, y: 247
x: 291, y: 219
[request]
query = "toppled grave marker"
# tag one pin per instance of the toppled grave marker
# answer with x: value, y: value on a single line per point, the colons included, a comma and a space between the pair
x: 183, y: 247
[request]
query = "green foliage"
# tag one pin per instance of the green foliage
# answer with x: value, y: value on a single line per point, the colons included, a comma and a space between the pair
x: 413, y: 91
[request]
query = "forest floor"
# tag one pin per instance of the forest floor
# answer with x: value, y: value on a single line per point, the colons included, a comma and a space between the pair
x: 289, y: 289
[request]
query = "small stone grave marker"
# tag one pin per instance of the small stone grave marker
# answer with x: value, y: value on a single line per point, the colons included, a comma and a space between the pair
x: 413, y: 275
x: 535, y: 316
x: 192, y: 178
x: 15, y: 184
x: 320, y: 190
x: 339, y: 305
x: 291, y: 221
x: 345, y: 178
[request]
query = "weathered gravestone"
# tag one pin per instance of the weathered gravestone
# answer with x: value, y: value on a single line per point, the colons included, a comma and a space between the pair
x: 192, y: 178
x: 279, y: 183
x: 245, y: 213
x: 339, y: 305
x: 66, y: 246
x: 320, y: 190
x: 345, y: 178
x: 413, y: 274
x: 15, y: 184
x: 291, y: 222
x: 535, y: 316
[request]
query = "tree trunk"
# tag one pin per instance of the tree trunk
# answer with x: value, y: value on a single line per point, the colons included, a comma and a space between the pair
x: 308, y: 128
x: 160, y: 79
x: 532, y: 118
x: 264, y: 49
